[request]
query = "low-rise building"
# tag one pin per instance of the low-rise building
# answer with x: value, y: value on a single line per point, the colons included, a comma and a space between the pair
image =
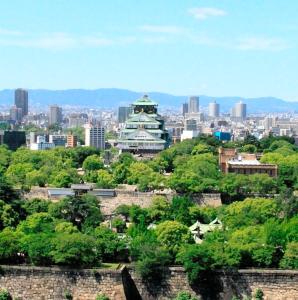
x: 230, y: 161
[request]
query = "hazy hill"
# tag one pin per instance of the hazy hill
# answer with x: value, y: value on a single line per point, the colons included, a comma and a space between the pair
x: 110, y: 97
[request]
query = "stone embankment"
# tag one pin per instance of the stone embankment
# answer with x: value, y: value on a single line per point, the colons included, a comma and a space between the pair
x: 36, y: 283
x: 129, y: 197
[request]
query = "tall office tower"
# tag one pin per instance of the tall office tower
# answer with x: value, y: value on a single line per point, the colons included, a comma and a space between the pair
x: 55, y: 115
x: 213, y: 109
x: 239, y: 111
x: 21, y: 100
x: 193, y: 104
x: 16, y: 114
x: 123, y: 113
x: 95, y: 136
x: 184, y: 109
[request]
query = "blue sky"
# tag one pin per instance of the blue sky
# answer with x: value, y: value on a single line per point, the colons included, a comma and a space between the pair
x: 218, y: 48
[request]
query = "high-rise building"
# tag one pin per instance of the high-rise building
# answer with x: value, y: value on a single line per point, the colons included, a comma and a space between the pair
x: 123, y: 113
x: 95, y: 136
x: 184, y: 109
x: 55, y: 115
x: 239, y: 111
x: 15, y: 114
x: 193, y: 104
x: 21, y: 100
x: 213, y: 109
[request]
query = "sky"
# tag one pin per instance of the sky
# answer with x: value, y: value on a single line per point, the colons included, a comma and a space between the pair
x: 184, y: 47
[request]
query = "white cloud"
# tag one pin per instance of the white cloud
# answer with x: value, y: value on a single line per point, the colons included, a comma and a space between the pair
x: 4, y: 31
x: 203, y: 13
x: 154, y: 40
x: 262, y: 43
x: 57, y: 41
x: 162, y: 29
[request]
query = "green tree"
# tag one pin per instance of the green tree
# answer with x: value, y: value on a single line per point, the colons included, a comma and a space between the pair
x: 37, y: 223
x: 65, y: 178
x: 195, y: 260
x: 75, y: 249
x: 93, y: 162
x: 8, y: 216
x: 36, y: 206
x: 201, y: 149
x: 105, y: 180
x: 36, y: 178
x: 172, y: 235
x: 159, y: 209
x: 38, y: 247
x: 6, y: 190
x: 199, y: 174
x: 179, y: 209
x: 119, y: 224
x: 66, y: 227
x: 83, y: 212
x: 249, y: 148
x: 150, y: 256
x: 203, y: 214
x: 123, y: 210
x: 9, y: 246
x: 251, y: 211
x: 290, y: 259
x: 5, y: 156
x: 108, y: 245
x: 16, y: 173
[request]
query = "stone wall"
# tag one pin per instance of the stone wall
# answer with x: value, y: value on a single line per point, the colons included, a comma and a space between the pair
x: 275, y: 284
x: 207, y: 199
x: 35, y: 283
x: 37, y: 192
x: 109, y: 204
x: 171, y: 281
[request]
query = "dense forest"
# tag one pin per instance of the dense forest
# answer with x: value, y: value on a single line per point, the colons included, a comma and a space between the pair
x: 259, y: 215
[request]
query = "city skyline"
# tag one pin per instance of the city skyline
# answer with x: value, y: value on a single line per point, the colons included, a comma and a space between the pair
x: 189, y: 48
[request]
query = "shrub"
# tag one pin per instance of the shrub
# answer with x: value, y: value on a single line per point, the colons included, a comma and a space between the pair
x: 290, y: 259
x: 259, y: 294
x: 185, y: 296
x: 68, y: 295
x: 102, y: 297
x: 4, y: 295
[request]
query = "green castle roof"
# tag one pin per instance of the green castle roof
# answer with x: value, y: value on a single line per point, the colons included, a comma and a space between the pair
x: 145, y: 100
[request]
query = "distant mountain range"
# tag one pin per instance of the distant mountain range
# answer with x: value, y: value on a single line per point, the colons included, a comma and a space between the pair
x: 111, y: 98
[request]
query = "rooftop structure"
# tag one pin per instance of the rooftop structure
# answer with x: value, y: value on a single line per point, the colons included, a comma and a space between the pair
x: 198, y: 229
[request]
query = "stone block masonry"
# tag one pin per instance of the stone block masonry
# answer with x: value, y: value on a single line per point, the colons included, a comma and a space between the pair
x: 37, y: 283
x: 143, y: 199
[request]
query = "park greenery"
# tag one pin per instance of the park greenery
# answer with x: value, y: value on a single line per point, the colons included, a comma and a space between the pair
x: 259, y: 215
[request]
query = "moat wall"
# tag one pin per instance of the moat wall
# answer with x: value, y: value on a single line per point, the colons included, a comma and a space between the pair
x: 35, y: 283
x: 143, y: 199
